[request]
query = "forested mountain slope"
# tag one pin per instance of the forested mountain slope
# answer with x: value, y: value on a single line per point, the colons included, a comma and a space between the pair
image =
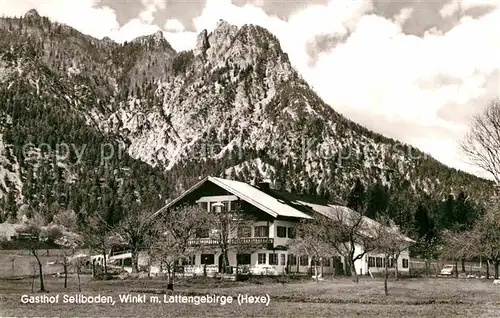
x: 232, y: 107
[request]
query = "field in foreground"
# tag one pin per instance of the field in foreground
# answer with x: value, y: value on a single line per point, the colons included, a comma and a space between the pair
x: 408, y: 298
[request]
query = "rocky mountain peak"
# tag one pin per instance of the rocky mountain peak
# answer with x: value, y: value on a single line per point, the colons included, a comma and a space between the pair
x: 243, y: 97
x: 246, y: 44
x: 108, y: 40
x: 32, y: 14
x: 201, y: 43
x: 154, y: 40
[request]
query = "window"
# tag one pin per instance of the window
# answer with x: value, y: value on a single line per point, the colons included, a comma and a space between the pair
x: 282, y: 259
x: 245, y: 231
x: 261, y: 258
x: 188, y: 260
x: 273, y: 259
x: 243, y: 259
x: 213, y: 206
x: 292, y: 260
x: 337, y: 262
x: 326, y: 261
x: 304, y: 260
x: 371, y: 261
x: 391, y: 262
x: 313, y: 261
x: 261, y: 231
x: 204, y: 206
x: 223, y: 206
x: 378, y: 262
x: 202, y: 233
x: 405, y: 263
x: 291, y: 232
x: 235, y: 206
x: 207, y: 259
x: 281, y: 231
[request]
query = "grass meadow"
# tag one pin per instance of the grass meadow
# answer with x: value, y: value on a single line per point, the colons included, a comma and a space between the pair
x: 443, y: 297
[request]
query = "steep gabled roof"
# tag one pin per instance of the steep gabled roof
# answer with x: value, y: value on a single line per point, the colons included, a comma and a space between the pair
x: 277, y: 203
x: 248, y: 193
x: 333, y: 211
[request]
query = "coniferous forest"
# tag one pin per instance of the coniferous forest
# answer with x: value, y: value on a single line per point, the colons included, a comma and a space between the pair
x: 94, y: 127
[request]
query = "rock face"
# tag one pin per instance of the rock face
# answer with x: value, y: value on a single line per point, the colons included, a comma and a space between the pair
x: 234, y: 106
x: 202, y: 44
x: 32, y: 14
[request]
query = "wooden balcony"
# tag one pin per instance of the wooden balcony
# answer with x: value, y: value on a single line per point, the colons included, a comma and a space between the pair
x: 257, y: 241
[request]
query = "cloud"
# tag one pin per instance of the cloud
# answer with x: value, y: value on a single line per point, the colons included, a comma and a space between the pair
x: 104, y: 20
x: 181, y: 41
x: 449, y: 8
x: 403, y: 15
x: 150, y: 8
x: 174, y: 25
x: 132, y: 29
x: 453, y: 7
x: 381, y: 72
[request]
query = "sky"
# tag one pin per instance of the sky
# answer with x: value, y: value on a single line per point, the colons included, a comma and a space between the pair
x: 414, y: 70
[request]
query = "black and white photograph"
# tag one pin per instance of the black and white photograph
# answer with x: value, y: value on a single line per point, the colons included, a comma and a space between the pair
x: 249, y: 158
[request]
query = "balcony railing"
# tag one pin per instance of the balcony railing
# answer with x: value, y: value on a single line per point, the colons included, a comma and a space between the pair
x: 234, y: 241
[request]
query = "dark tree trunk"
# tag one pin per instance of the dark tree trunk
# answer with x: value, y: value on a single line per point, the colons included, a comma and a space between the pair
x: 396, y: 272
x: 78, y: 275
x: 149, y: 266
x: 170, y: 283
x: 352, y: 268
x: 487, y: 269
x: 65, y: 267
x: 225, y: 262
x: 40, y: 270
x: 497, y: 263
x: 347, y: 268
x: 316, y: 270
x: 456, y: 268
x: 135, y: 260
x: 386, y: 291
x: 463, y: 265
x: 105, y: 262
x: 236, y: 274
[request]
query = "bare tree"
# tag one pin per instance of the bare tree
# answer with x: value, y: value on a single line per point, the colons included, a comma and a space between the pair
x: 173, y: 234
x: 486, y: 236
x: 69, y: 242
x: 343, y: 230
x: 98, y: 236
x: 34, y: 234
x: 311, y: 242
x: 134, y: 231
x: 390, y: 243
x: 482, y: 147
x: 78, y: 262
x: 459, y: 245
x: 226, y: 230
x: 482, y: 143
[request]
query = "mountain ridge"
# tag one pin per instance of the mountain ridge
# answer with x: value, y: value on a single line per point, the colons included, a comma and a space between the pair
x: 229, y: 107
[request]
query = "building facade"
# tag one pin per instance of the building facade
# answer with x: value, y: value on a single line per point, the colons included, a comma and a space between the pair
x: 263, y: 246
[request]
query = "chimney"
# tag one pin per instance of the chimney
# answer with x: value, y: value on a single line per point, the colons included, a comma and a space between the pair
x: 265, y: 185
